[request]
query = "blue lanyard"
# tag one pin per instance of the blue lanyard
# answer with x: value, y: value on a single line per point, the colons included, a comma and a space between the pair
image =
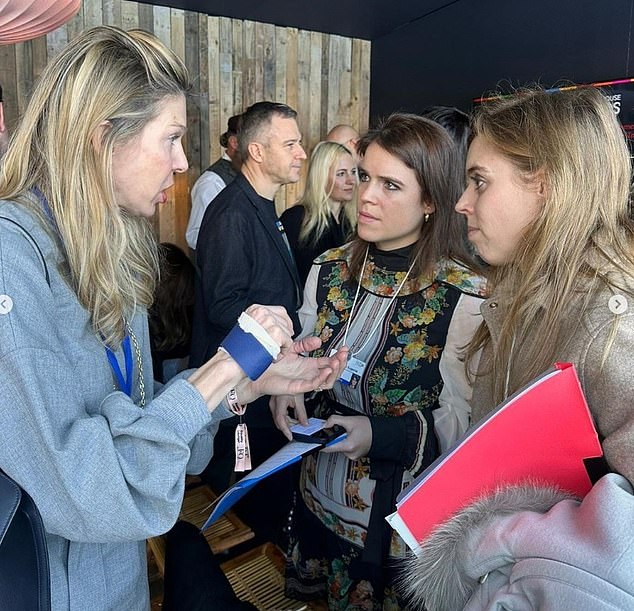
x: 45, y: 205
x: 125, y: 384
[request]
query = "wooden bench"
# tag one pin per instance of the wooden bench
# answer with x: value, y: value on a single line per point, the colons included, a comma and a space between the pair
x: 257, y: 576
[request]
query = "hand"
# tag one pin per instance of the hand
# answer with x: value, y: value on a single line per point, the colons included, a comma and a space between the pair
x: 359, y: 440
x: 294, y: 374
x: 338, y: 360
x: 279, y: 409
x: 220, y: 373
x: 275, y: 321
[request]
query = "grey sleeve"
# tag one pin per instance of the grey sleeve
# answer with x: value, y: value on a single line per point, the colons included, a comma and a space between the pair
x: 99, y: 468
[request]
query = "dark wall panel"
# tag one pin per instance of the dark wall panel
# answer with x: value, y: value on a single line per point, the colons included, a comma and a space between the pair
x: 366, y: 19
x: 472, y: 46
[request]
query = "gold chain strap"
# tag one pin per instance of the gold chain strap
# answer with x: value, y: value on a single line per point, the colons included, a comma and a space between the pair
x: 139, y: 362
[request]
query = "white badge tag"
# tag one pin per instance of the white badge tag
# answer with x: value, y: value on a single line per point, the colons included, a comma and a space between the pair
x: 353, y: 372
x: 243, y: 454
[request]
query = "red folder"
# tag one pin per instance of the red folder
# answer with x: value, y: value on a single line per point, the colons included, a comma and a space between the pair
x: 542, y: 433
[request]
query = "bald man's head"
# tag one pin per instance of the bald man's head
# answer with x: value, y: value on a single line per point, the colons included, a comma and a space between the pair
x: 346, y: 135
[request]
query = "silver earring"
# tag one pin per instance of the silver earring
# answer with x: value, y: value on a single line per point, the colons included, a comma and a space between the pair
x: 426, y: 217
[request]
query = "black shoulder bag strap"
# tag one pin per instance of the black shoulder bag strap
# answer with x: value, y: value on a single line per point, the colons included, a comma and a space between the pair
x: 24, y: 569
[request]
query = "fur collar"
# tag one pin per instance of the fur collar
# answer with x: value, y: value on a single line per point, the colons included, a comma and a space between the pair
x: 438, y: 577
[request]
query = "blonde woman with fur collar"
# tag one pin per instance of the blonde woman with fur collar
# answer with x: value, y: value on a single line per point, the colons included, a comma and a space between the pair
x: 547, y: 206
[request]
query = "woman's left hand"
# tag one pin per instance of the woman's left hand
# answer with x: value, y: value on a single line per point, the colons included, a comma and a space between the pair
x: 359, y: 440
x: 275, y: 321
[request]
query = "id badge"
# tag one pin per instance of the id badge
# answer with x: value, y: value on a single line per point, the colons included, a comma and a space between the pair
x: 353, y: 372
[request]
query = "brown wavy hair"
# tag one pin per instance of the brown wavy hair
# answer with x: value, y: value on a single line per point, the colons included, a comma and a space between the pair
x: 170, y: 317
x: 426, y: 148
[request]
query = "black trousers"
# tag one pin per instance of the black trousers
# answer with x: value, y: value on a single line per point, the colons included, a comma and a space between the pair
x: 194, y: 580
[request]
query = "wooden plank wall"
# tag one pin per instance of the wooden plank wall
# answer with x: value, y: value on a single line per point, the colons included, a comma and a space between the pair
x: 234, y: 63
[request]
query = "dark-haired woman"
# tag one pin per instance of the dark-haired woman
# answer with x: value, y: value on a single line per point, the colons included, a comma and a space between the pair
x: 404, y: 297
x: 170, y: 317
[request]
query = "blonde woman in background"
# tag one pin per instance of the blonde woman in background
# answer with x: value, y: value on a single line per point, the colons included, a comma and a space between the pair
x: 325, y: 216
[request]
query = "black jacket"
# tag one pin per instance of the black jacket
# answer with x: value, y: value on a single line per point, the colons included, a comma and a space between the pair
x: 335, y: 235
x: 242, y: 258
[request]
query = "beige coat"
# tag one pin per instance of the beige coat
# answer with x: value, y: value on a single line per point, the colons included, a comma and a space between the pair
x: 609, y: 390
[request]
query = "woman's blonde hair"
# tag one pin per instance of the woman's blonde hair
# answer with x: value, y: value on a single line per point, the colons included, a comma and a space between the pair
x: 582, y: 239
x: 316, y: 197
x: 109, y: 77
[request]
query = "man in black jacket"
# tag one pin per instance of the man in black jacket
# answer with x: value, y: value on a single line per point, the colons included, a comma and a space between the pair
x: 243, y: 258
x: 243, y: 255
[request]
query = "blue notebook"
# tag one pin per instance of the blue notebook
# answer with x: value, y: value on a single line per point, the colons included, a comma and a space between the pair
x: 291, y: 453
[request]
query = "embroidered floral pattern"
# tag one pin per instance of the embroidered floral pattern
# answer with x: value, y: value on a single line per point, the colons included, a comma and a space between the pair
x: 331, y: 578
x: 401, y: 376
x: 393, y: 355
x: 346, y: 594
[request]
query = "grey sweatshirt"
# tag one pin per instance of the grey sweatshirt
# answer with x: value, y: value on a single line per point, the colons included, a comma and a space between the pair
x: 104, y: 473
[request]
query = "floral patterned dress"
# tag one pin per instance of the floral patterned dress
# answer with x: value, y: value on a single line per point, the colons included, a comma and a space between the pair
x: 341, y: 547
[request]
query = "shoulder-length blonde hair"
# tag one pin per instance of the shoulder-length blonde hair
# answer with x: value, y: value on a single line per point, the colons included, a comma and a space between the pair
x: 583, y: 233
x: 426, y: 148
x: 105, y: 75
x: 316, y: 197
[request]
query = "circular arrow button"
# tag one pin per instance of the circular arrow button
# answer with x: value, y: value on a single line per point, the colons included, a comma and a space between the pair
x: 617, y: 304
x: 6, y: 304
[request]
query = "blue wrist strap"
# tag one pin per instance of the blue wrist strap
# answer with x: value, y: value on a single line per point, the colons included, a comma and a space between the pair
x: 247, y: 351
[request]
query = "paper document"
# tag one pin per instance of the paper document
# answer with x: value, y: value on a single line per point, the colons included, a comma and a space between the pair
x: 291, y: 453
